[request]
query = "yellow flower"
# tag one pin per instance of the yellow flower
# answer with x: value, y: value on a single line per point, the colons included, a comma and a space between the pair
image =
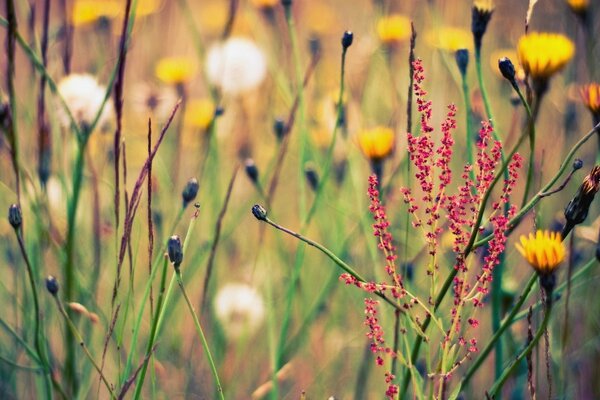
x: 544, y: 54
x: 484, y: 5
x: 544, y: 251
x: 199, y: 113
x: 590, y: 94
x: 376, y: 143
x: 265, y: 3
x: 88, y: 11
x: 578, y: 6
x: 175, y: 70
x: 393, y: 29
x: 450, y: 38
x: 321, y: 18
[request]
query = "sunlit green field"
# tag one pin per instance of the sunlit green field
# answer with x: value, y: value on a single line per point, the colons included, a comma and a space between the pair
x: 299, y: 199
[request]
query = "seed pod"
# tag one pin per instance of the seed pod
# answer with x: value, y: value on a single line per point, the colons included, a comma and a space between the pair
x: 347, y: 39
x: 259, y: 212
x: 175, y: 251
x: 52, y: 285
x: 15, y: 217
x: 190, y: 191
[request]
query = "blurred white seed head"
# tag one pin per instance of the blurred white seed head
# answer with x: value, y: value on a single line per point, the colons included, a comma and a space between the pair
x: 84, y: 96
x: 240, y: 310
x: 158, y: 102
x: 236, y: 66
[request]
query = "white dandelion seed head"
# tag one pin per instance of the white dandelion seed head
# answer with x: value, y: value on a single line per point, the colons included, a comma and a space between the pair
x: 236, y: 66
x: 240, y: 310
x: 84, y: 96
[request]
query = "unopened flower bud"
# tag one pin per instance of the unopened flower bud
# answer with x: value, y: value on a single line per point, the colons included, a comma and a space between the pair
x: 314, y: 45
x: 190, y: 191
x: 219, y: 111
x: 175, y: 251
x: 507, y: 69
x: 259, y: 212
x: 577, y: 210
x: 52, y: 285
x: 15, y: 217
x: 286, y: 3
x: 577, y: 164
x: 311, y: 176
x: 279, y: 128
x: 462, y: 60
x: 480, y: 17
x: 347, y: 39
x: 251, y: 170
x: 4, y: 115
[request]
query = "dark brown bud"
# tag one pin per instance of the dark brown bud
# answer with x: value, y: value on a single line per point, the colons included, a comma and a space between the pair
x: 190, y: 191
x: 577, y: 210
x: 507, y: 69
x: 259, y: 212
x: 279, y: 128
x: 462, y: 60
x: 175, y: 251
x: 311, y: 176
x: 251, y: 170
x: 480, y: 17
x: 15, y: 217
x: 52, y: 285
x: 347, y: 39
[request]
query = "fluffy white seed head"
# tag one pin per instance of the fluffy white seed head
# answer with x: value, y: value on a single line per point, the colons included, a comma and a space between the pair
x: 84, y: 96
x: 240, y: 310
x: 236, y: 66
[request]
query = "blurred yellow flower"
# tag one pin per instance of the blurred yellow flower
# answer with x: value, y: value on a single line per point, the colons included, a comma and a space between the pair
x: 175, y: 70
x: 544, y: 251
x: 199, y: 113
x: 376, y: 143
x: 88, y: 11
x: 449, y: 38
x: 146, y: 7
x: 578, y: 6
x: 265, y: 3
x: 484, y: 5
x: 590, y: 94
x: 393, y: 29
x: 544, y: 54
x: 321, y: 18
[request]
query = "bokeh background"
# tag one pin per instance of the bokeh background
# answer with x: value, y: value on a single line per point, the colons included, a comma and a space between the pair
x: 329, y: 356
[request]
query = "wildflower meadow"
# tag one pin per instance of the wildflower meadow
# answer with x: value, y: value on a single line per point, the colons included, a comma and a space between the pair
x: 299, y: 199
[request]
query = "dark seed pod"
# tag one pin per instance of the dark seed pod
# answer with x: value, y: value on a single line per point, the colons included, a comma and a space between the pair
x: 175, y: 251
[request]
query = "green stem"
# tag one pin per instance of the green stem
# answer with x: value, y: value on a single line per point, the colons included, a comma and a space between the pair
x: 70, y: 284
x: 201, y: 336
x: 39, y: 340
x: 153, y: 330
x: 507, y: 322
x: 334, y: 258
x: 77, y: 336
x: 497, y: 386
x: 563, y: 167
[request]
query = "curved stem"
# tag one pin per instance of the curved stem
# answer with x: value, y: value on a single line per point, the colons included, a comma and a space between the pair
x: 201, y: 336
x: 39, y: 341
x: 497, y: 386
x: 508, y: 320
x: 77, y: 336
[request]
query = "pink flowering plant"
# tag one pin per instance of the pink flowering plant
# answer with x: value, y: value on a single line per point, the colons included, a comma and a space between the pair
x: 433, y: 208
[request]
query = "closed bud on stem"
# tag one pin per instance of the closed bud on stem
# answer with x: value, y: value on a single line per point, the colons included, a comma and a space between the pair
x: 480, y: 17
x: 190, y: 191
x: 219, y: 111
x: 347, y: 39
x: 314, y: 45
x: 311, y: 176
x: 577, y: 164
x: 251, y: 170
x: 259, y: 212
x: 577, y: 210
x: 52, y: 285
x: 175, y: 251
x: 507, y: 69
x: 4, y: 115
x: 279, y: 129
x: 15, y: 217
x: 286, y: 3
x: 462, y: 60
